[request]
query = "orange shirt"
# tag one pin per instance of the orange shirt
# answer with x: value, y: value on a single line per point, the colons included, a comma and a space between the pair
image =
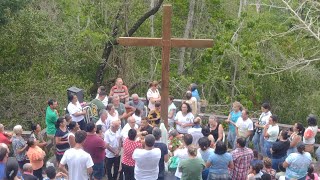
x: 36, y: 155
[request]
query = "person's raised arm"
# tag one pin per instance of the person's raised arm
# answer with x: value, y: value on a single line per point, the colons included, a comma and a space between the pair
x: 295, y: 141
x: 72, y: 141
x: 220, y: 132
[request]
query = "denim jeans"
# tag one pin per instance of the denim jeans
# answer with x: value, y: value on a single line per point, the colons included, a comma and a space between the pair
x: 258, y: 141
x: 205, y: 174
x: 267, y: 146
x: 231, y: 138
x: 303, y: 178
x: 277, y: 162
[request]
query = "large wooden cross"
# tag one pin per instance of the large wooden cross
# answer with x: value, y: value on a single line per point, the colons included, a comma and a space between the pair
x: 166, y: 42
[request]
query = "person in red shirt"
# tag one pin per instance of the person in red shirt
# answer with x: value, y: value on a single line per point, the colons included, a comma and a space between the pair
x: 4, y: 136
x: 95, y: 146
x: 129, y: 145
x: 120, y: 90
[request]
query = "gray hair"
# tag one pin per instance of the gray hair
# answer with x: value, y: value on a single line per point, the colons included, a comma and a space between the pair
x: 115, y: 96
x: 27, y: 167
x: 213, y: 117
x: 17, y: 129
x: 156, y: 133
x: 149, y: 140
x: 134, y: 95
x: 103, y: 111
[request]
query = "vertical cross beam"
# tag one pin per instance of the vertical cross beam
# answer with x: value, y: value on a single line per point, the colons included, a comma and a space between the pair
x: 166, y: 46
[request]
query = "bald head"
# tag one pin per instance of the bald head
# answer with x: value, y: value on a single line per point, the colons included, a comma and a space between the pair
x: 115, y: 125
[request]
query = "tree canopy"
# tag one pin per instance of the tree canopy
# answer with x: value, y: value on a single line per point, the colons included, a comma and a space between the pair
x: 262, y: 52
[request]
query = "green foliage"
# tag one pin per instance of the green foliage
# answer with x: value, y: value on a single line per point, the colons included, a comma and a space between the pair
x: 48, y: 46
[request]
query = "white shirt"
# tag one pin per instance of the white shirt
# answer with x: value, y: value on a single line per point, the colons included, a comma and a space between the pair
x: 113, y: 139
x: 151, y: 94
x: 184, y: 119
x: 196, y: 135
x: 311, y: 140
x: 146, y: 163
x: 264, y: 118
x: 137, y: 118
x: 125, y: 130
x: 74, y: 109
x: 170, y: 108
x: 78, y: 162
x: 105, y: 100
x: 273, y: 132
x: 70, y: 134
x: 182, y: 154
x: 105, y: 125
x: 113, y: 118
x: 244, y: 126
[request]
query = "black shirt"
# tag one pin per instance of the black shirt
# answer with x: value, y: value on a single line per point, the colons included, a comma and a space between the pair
x: 164, y: 151
x: 29, y: 177
x: 148, y: 129
x: 280, y: 149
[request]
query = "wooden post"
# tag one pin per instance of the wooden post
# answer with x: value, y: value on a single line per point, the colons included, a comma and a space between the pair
x: 166, y: 42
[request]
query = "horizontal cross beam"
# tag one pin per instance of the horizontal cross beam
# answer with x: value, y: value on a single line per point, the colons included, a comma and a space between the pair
x: 158, y: 42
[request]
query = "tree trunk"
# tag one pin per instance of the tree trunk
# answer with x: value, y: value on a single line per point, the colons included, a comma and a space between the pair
x: 258, y: 6
x: 113, y: 41
x: 151, y: 62
x: 186, y: 35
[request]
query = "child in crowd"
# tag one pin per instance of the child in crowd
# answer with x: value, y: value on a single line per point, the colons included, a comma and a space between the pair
x: 53, y: 175
x: 311, y: 174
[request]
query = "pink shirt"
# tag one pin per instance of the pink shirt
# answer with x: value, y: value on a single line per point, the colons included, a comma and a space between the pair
x: 316, y: 177
x: 128, y: 148
x: 36, y: 155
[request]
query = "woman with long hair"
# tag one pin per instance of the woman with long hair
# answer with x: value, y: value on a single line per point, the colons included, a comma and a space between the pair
x: 295, y: 137
x: 184, y: 118
x: 232, y: 120
x: 73, y: 128
x: 61, y: 138
x: 36, y: 133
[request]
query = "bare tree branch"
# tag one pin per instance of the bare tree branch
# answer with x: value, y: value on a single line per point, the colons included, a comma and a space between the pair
x: 300, y: 62
x: 112, y: 42
x: 308, y: 22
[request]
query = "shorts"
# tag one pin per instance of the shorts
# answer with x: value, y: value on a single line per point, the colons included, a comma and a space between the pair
x: 98, y: 170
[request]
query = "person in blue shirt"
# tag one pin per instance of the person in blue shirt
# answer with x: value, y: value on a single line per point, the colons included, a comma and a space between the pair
x: 232, y: 120
x: 4, y: 152
x: 194, y: 91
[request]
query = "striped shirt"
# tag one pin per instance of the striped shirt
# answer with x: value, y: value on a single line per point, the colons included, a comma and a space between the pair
x: 61, y: 148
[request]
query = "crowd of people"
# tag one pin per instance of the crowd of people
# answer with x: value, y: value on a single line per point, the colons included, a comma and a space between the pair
x: 128, y: 140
